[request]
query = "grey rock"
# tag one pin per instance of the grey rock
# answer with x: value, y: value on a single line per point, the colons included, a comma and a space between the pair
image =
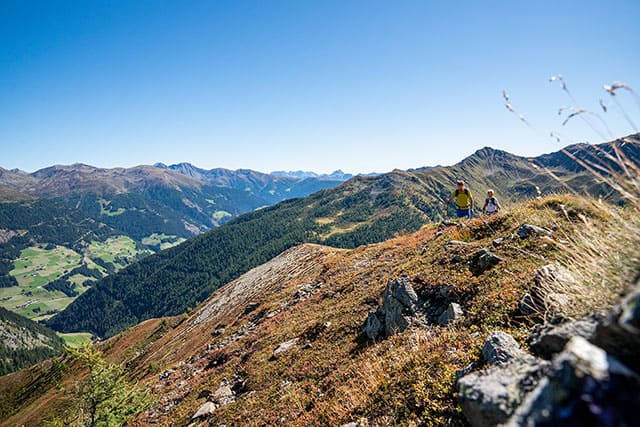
x: 373, y: 327
x: 528, y: 230
x: 223, y: 395
x: 490, y: 396
x: 446, y: 224
x: 395, y: 319
x: 453, y: 243
x: 500, y: 348
x: 454, y: 313
x: 307, y: 290
x: 545, y: 294
x: 532, y: 304
x: 456, y: 259
x: 553, y: 276
x: 482, y: 261
x: 285, y: 346
x: 585, y: 387
x: 205, y: 410
x: 399, y: 307
x: 547, y: 340
x: 401, y: 290
x: 619, y: 333
x: 466, y: 370
x: 250, y: 307
x: 399, y: 304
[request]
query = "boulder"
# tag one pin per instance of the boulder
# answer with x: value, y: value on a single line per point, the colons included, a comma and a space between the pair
x: 619, y: 333
x: 528, y: 230
x: 482, y: 261
x: 456, y: 259
x: 399, y: 307
x: 490, y: 396
x: 500, y: 348
x: 205, y: 410
x: 497, y: 242
x: 547, y: 340
x: 585, y: 387
x: 453, y: 243
x: 402, y: 291
x: 532, y: 303
x: 373, y: 327
x: 546, y: 294
x: 223, y: 395
x: 553, y: 276
x: 285, y: 346
x: 250, y: 307
x: 453, y: 314
x: 399, y: 304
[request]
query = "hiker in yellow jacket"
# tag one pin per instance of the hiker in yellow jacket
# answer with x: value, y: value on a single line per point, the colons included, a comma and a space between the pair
x: 464, y: 201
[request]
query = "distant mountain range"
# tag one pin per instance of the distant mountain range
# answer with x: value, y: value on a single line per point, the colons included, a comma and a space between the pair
x: 362, y: 210
x: 338, y: 174
x: 180, y: 199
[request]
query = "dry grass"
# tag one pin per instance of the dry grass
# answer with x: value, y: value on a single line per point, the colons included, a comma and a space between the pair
x: 602, y: 256
x: 602, y: 251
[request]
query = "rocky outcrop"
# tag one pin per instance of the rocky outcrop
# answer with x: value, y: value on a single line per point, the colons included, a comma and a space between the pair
x: 226, y: 393
x: 373, y: 327
x: 451, y: 315
x: 547, y: 340
x: 482, y: 261
x: 500, y: 348
x: 528, y: 230
x: 587, y: 383
x: 619, y: 333
x: 398, y: 310
x: 585, y: 387
x: 402, y: 307
x: 205, y: 410
x: 546, y: 293
x: 490, y: 396
x: 285, y: 346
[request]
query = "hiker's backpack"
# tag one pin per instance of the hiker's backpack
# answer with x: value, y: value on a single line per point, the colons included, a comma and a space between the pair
x: 458, y: 192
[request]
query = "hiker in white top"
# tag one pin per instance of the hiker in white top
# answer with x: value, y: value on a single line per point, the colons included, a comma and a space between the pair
x: 491, y: 204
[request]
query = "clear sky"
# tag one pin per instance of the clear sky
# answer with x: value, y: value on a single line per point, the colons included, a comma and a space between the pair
x: 314, y: 85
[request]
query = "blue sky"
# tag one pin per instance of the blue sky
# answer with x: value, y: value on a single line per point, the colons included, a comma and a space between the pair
x: 267, y: 85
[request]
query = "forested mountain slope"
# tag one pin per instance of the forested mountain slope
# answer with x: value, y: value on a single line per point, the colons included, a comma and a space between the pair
x: 24, y: 342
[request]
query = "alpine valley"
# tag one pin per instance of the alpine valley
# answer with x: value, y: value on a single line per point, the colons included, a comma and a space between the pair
x: 353, y: 302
